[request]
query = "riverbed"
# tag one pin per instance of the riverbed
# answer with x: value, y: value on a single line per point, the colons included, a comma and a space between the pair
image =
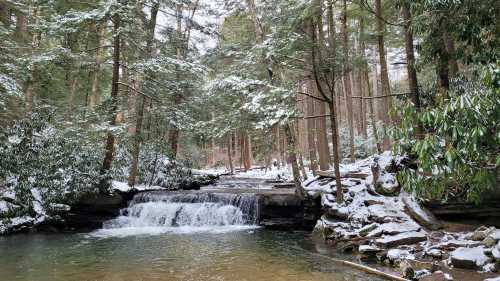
x: 244, y: 254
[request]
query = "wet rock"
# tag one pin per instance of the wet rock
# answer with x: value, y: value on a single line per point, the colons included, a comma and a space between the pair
x: 420, y: 214
x: 406, y: 238
x: 469, y: 258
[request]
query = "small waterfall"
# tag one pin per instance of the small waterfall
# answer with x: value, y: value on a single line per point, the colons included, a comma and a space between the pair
x: 158, y: 212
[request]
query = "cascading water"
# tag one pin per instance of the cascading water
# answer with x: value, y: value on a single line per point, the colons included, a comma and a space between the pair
x: 160, y: 212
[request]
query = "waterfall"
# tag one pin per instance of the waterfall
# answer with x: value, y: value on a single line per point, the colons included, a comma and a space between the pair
x: 159, y: 212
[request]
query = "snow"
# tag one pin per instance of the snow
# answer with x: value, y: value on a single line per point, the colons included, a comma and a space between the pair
x: 475, y: 255
x: 37, y: 203
x: 124, y: 187
x: 4, y: 206
x: 398, y: 254
x: 493, y: 279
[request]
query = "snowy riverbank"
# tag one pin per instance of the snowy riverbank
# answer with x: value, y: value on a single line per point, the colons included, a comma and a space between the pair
x: 394, y: 229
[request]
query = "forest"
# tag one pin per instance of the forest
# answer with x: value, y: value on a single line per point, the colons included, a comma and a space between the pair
x: 373, y: 124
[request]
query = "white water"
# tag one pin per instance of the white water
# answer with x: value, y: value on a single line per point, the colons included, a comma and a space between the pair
x: 157, y: 213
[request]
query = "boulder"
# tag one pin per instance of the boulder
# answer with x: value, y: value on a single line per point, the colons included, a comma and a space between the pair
x: 434, y: 253
x: 495, y: 252
x: 368, y: 249
x: 406, y: 238
x: 387, y: 185
x: 395, y: 255
x: 367, y: 229
x: 492, y: 238
x: 469, y: 258
x: 420, y: 214
x: 479, y: 234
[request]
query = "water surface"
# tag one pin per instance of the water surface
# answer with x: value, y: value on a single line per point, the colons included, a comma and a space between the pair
x: 253, y: 255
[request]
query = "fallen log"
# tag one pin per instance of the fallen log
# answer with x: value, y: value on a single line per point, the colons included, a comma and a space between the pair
x: 331, y: 174
x: 364, y: 268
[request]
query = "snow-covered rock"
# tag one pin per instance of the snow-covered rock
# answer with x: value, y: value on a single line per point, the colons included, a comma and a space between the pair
x: 397, y: 254
x: 405, y: 238
x: 469, y: 258
x: 493, y: 279
x: 368, y: 249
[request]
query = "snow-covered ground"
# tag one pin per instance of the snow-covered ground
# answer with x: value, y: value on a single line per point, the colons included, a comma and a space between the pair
x: 394, y: 227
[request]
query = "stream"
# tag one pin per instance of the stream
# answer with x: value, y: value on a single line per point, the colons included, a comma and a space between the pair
x: 173, y: 237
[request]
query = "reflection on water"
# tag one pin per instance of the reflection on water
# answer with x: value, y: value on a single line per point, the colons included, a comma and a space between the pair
x: 252, y: 255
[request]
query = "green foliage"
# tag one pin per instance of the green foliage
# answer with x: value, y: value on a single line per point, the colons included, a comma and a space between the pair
x: 60, y: 164
x: 459, y: 156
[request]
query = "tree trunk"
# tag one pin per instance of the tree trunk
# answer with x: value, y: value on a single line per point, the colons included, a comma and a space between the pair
x: 336, y: 157
x: 21, y: 28
x: 95, y: 95
x: 292, y: 159
x: 5, y: 14
x: 321, y: 134
x: 229, y: 155
x: 347, y: 81
x: 410, y: 67
x: 110, y: 141
x: 137, y: 142
x: 71, y: 85
x: 384, y: 73
x: 311, y: 131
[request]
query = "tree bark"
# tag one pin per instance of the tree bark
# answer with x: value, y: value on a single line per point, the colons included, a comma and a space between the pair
x: 410, y: 67
x: 95, y: 95
x: 347, y: 81
x: 137, y: 142
x: 311, y: 128
x: 229, y: 155
x: 5, y: 14
x: 384, y: 74
x: 292, y: 159
x: 110, y: 141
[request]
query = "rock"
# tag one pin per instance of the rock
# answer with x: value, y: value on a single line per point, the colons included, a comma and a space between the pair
x: 495, y: 252
x: 438, y: 276
x: 489, y: 241
x: 367, y: 228
x: 490, y: 267
x: 420, y: 214
x: 493, y: 279
x: 434, y: 253
x: 469, y: 258
x: 421, y: 274
x: 492, y: 238
x: 386, y: 184
x: 479, y: 234
x: 396, y: 255
x: 406, y: 238
x: 368, y: 249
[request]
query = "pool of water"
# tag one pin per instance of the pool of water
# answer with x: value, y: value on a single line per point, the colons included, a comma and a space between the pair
x: 233, y: 255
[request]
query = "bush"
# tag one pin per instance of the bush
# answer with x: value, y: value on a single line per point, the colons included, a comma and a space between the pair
x: 43, y: 165
x: 459, y: 156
